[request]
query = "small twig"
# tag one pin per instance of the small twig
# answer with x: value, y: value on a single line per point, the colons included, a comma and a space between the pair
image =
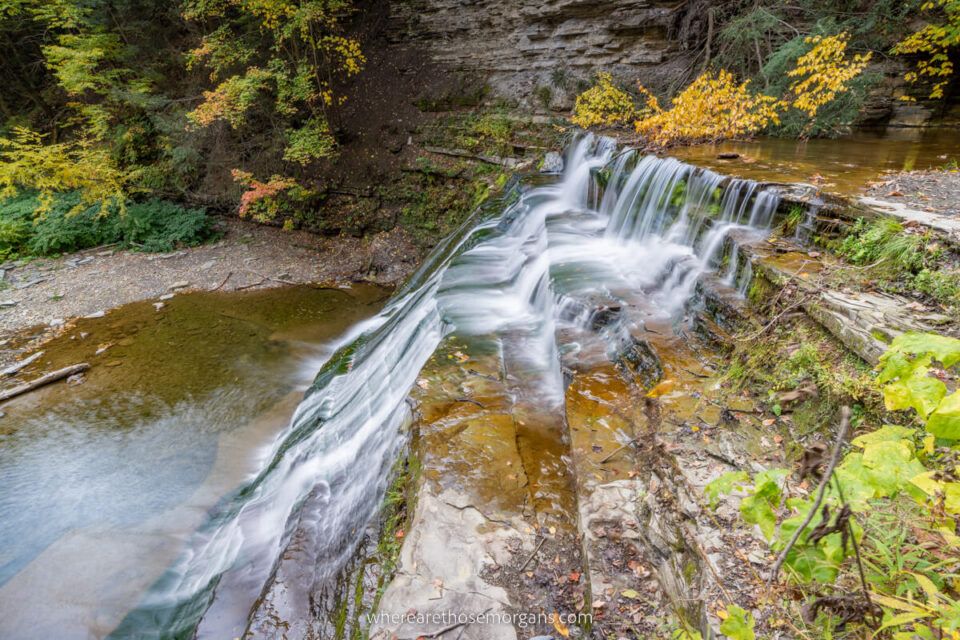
x: 219, y: 286
x: 618, y: 450
x: 532, y: 556
x: 471, y: 401
x: 856, y: 553
x: 250, y: 286
x: 776, y: 319
x: 695, y: 374
x: 837, y: 447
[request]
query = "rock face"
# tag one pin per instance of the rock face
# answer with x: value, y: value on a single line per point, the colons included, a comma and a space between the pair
x: 541, y: 52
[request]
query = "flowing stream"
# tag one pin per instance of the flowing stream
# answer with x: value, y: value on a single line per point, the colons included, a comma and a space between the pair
x: 614, y: 225
x: 612, y: 222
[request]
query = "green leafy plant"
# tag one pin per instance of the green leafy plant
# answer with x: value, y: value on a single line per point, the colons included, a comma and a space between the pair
x: 68, y: 225
x: 737, y: 624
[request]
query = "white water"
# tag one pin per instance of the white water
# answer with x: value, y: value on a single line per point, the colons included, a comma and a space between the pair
x: 657, y: 227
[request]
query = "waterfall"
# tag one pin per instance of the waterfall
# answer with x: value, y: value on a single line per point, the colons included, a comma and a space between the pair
x: 613, y: 222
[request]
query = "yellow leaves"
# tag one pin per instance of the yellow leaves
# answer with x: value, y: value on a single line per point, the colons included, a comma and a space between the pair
x: 348, y: 51
x: 823, y: 72
x: 603, y: 104
x: 558, y: 624
x: 26, y: 162
x: 933, y: 44
x: 714, y: 107
x: 231, y: 99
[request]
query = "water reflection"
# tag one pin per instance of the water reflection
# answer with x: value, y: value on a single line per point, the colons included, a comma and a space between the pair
x: 842, y: 165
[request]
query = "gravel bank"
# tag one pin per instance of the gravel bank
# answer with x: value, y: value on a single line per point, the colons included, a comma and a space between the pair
x: 48, y: 292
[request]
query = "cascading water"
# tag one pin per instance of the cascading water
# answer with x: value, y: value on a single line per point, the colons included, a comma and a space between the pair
x: 612, y: 223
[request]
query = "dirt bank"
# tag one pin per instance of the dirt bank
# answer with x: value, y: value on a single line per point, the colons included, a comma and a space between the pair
x: 48, y: 292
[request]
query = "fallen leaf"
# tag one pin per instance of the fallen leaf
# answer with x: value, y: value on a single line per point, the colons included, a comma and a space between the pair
x: 598, y: 604
x: 664, y: 387
x: 574, y: 576
x: 561, y: 628
x: 630, y: 593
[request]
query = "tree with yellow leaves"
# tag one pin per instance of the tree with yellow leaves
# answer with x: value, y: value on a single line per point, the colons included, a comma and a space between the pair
x: 304, y: 54
x: 716, y: 107
x: 933, y: 45
x: 823, y: 72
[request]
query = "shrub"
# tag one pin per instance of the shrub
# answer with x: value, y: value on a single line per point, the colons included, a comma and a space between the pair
x: 69, y: 225
x: 161, y: 225
x: 714, y: 107
x: 604, y: 104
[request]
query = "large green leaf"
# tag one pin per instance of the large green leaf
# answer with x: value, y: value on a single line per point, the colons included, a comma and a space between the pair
x: 738, y: 625
x: 945, y: 421
x: 725, y: 484
x: 892, y: 465
x: 810, y: 563
x: 883, y: 434
x: 926, y: 393
x: 917, y: 391
x: 758, y: 508
x: 856, y: 480
x: 944, y: 349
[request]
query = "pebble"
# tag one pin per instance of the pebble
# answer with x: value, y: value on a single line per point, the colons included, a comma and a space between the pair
x: 96, y: 314
x: 158, y: 305
x: 167, y: 296
x: 179, y: 285
x: 206, y: 266
x: 8, y: 303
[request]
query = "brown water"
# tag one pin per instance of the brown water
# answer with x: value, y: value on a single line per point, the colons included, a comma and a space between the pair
x: 101, y: 483
x: 842, y: 165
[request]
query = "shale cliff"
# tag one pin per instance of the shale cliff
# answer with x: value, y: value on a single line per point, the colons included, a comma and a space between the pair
x: 542, y: 53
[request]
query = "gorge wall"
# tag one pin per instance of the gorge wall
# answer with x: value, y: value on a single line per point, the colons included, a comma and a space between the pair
x: 541, y: 53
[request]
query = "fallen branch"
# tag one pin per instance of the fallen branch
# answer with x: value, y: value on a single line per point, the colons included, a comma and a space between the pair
x: 17, y: 366
x: 216, y: 288
x: 824, y: 481
x: 43, y: 380
x: 460, y: 153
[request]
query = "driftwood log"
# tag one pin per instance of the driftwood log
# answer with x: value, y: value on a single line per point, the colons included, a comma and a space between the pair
x: 15, y: 367
x: 43, y: 380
